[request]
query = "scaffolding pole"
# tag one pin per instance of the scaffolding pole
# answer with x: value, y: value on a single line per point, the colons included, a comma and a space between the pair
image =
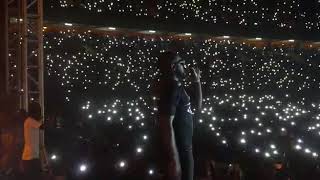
x: 25, y: 56
x: 3, y: 47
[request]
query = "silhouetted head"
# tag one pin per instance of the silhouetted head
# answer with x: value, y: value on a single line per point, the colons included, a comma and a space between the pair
x: 172, y: 66
x: 34, y: 110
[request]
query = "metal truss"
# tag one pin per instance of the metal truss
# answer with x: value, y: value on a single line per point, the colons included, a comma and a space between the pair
x: 25, y: 46
x: 24, y: 71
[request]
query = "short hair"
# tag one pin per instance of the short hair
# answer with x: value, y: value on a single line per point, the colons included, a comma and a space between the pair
x: 165, y: 61
x: 34, y: 110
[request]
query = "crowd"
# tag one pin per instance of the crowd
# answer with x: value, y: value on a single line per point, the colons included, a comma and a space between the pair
x: 259, y: 103
x: 283, y: 14
x: 260, y: 117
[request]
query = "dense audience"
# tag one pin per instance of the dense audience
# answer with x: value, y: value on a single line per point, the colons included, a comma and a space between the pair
x: 259, y: 103
x: 284, y: 14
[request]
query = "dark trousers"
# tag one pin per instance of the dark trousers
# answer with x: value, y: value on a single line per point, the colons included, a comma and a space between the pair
x: 183, y: 130
x: 32, y: 169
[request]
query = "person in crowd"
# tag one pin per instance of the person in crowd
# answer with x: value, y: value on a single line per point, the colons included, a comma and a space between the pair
x: 31, y: 150
x: 176, y: 115
x: 280, y: 172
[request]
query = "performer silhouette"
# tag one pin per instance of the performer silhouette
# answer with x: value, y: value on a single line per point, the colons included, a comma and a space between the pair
x: 176, y: 115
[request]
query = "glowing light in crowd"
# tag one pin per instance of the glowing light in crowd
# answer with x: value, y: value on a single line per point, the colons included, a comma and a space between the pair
x: 68, y: 24
x: 282, y: 13
x: 83, y: 168
x: 122, y: 164
x: 231, y: 70
x: 53, y: 157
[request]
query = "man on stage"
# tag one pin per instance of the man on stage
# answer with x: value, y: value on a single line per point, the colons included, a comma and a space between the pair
x: 176, y: 115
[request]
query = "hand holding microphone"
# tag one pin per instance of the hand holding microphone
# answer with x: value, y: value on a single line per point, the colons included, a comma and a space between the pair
x: 195, y: 74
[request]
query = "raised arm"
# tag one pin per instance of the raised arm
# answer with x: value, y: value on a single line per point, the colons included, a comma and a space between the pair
x: 197, y: 96
x: 197, y: 91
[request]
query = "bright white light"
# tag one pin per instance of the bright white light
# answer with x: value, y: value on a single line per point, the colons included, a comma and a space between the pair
x: 259, y: 134
x: 243, y: 141
x: 112, y: 28
x: 298, y: 147
x: 272, y: 146
x: 68, y: 24
x: 267, y: 154
x: 259, y: 39
x: 83, y: 168
x: 152, y: 31
x: 275, y: 152
x: 187, y: 34
x: 122, y: 164
x: 139, y: 150
x: 53, y: 157
x: 307, y: 150
x: 226, y: 37
x: 291, y: 40
x: 145, y: 137
x: 257, y: 150
x: 151, y: 171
